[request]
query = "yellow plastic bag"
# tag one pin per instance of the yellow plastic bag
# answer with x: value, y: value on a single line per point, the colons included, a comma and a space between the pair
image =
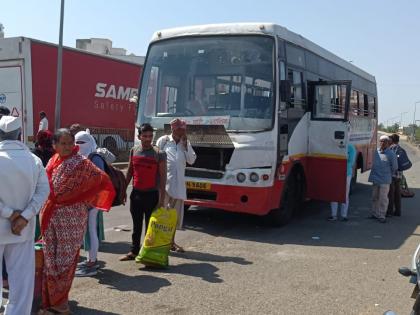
x: 158, y: 240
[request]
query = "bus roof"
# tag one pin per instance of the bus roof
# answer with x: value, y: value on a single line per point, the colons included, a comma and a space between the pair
x: 262, y: 29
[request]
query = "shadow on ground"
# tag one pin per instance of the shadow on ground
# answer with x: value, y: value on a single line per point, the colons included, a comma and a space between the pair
x: 80, y: 310
x: 207, y: 257
x: 310, y: 226
x: 205, y: 271
x: 119, y: 248
x: 121, y: 282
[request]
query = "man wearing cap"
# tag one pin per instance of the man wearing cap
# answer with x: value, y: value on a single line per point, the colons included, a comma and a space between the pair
x: 23, y: 190
x: 179, y: 152
x: 384, y: 167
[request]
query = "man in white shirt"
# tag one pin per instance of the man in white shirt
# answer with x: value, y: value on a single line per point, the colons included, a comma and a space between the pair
x: 179, y: 152
x: 43, y: 124
x: 24, y: 188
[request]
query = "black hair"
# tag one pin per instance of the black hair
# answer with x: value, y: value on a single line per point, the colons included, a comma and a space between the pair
x: 42, y: 113
x: 61, y: 132
x: 4, y: 111
x: 144, y: 128
x: 75, y: 128
x: 395, y: 138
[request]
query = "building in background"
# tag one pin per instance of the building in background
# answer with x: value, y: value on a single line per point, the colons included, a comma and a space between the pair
x: 104, y: 46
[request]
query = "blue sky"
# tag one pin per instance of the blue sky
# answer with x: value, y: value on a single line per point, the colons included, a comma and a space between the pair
x: 381, y: 37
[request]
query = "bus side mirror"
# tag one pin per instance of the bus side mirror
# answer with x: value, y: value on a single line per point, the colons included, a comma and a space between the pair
x: 285, y: 90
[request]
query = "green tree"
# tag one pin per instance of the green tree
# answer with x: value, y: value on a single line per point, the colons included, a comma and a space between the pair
x: 393, y: 129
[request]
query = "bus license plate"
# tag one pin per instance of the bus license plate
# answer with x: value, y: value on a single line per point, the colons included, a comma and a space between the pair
x: 198, y: 186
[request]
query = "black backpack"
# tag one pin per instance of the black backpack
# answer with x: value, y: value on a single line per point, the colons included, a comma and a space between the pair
x: 118, y: 181
x: 404, y: 162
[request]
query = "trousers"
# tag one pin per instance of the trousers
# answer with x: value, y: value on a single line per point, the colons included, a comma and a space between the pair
x: 380, y: 200
x: 394, y: 196
x: 142, y: 204
x: 344, y: 206
x: 20, y: 262
x: 93, y: 234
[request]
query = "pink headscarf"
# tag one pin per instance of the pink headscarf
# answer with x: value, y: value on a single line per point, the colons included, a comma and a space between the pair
x: 178, y: 124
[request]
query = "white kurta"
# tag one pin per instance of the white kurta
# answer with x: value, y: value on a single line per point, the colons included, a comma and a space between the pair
x: 43, y: 124
x: 23, y: 186
x: 177, y: 158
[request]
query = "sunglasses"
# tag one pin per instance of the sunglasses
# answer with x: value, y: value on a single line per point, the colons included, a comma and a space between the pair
x: 80, y: 142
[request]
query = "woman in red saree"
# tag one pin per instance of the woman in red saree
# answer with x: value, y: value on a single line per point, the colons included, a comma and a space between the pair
x: 76, y: 185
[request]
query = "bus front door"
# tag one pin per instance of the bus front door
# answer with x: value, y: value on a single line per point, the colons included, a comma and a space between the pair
x: 327, y: 140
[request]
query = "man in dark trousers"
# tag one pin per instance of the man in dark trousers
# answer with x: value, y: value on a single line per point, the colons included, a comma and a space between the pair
x: 394, y: 195
x: 147, y: 168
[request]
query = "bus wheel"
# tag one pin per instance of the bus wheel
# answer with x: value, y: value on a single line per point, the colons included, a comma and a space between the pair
x: 291, y: 200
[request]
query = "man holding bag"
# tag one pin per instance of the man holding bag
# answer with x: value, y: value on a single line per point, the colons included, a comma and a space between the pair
x: 147, y: 168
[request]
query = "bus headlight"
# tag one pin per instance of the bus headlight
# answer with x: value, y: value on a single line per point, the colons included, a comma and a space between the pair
x: 241, y: 177
x: 253, y: 177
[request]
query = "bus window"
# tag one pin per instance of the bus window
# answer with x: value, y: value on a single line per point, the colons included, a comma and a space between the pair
x: 330, y: 101
x: 365, y: 105
x: 151, y: 97
x: 372, y: 107
x: 295, y: 55
x: 296, y: 89
x: 354, y: 104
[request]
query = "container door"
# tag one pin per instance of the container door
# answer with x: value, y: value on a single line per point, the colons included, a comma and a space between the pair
x: 11, y: 94
x: 327, y: 140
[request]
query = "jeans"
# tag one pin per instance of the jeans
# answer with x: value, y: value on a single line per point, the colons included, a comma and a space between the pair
x: 142, y: 204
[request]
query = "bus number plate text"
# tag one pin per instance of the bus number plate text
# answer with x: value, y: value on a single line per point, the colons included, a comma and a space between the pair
x: 198, y: 186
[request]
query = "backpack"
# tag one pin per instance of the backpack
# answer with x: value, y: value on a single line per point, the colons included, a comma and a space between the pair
x: 404, y: 162
x: 107, y: 155
x: 118, y: 181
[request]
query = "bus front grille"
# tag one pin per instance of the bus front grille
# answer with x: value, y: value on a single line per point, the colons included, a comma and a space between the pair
x: 201, y: 195
x: 203, y: 173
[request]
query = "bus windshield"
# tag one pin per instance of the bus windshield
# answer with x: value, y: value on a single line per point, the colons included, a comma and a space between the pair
x: 210, y: 80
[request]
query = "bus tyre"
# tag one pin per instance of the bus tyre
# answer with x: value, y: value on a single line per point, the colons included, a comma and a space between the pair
x: 291, y: 200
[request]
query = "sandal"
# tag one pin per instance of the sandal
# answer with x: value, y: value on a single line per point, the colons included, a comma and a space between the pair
x: 177, y: 248
x: 127, y: 257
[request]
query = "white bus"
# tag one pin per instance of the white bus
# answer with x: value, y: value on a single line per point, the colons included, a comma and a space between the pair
x: 270, y: 114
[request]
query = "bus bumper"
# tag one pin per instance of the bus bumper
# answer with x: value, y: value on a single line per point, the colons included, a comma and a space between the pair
x: 252, y: 200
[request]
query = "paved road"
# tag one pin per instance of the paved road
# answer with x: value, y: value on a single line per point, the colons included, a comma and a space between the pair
x: 235, y: 265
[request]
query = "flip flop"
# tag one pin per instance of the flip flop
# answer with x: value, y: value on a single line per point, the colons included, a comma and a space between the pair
x: 127, y: 257
x: 177, y: 248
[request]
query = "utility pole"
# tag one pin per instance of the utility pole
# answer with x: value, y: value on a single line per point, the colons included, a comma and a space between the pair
x: 401, y: 121
x: 401, y: 117
x: 59, y: 71
x: 414, y: 121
